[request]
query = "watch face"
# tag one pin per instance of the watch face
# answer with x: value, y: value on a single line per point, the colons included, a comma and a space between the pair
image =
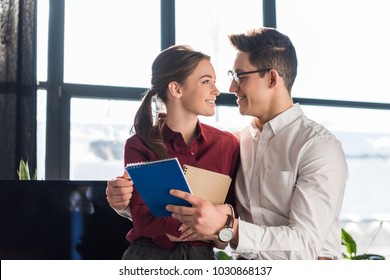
x: 225, y: 235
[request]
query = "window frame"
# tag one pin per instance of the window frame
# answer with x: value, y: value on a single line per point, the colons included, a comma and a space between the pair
x: 59, y: 93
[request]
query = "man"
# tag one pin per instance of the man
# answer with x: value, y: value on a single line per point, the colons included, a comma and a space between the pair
x: 290, y: 185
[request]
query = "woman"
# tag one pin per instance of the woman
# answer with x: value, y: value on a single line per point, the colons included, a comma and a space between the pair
x: 184, y: 81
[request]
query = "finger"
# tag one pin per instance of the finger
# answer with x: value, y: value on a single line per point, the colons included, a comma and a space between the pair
x: 121, y: 198
x: 193, y: 236
x: 183, y: 228
x: 126, y: 175
x: 120, y: 206
x: 117, y: 184
x: 179, y: 210
x: 173, y: 238
x: 193, y: 200
x: 119, y: 192
x: 189, y: 235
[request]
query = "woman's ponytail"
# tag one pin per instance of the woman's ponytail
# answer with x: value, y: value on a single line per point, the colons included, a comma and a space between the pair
x: 149, y: 133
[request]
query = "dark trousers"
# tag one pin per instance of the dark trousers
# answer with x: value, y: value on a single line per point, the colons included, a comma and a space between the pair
x: 139, y: 250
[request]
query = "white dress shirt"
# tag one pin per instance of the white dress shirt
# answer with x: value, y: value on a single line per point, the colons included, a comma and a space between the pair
x: 290, y: 189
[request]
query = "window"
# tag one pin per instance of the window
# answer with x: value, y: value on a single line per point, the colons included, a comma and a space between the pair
x: 110, y: 49
x: 207, y: 26
x: 97, y: 138
x: 107, y: 54
x: 115, y: 45
x: 41, y: 133
x: 339, y: 58
x: 42, y: 39
x: 42, y: 50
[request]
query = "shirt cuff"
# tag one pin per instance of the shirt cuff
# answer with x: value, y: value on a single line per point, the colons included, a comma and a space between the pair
x: 247, y: 235
x: 125, y: 212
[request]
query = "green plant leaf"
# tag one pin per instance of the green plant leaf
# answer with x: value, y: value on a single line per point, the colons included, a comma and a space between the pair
x: 23, y: 172
x: 368, y: 257
x: 349, y: 243
x: 221, y: 255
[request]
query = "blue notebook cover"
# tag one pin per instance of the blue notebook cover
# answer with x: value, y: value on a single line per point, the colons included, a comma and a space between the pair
x: 154, y: 179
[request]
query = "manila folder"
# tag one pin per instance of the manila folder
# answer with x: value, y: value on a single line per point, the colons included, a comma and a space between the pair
x: 207, y: 184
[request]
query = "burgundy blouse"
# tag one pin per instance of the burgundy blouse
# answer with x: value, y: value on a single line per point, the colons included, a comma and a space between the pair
x: 212, y: 149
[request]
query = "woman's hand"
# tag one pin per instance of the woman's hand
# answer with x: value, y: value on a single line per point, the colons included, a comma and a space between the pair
x: 187, y: 234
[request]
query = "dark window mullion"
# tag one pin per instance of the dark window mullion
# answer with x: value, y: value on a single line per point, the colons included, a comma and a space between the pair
x: 269, y: 13
x: 105, y: 92
x: 168, y: 31
x: 57, y: 126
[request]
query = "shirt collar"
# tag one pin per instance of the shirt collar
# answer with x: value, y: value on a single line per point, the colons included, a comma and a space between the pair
x: 286, y: 118
x: 279, y: 122
x: 200, y: 134
x: 168, y: 133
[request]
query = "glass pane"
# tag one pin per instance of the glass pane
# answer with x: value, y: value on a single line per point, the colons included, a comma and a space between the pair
x: 41, y: 133
x: 227, y: 118
x: 204, y: 25
x: 111, y: 42
x: 97, y: 137
x: 341, y: 46
x: 42, y: 33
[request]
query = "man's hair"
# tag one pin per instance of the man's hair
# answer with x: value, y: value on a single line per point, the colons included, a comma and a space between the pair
x: 268, y: 48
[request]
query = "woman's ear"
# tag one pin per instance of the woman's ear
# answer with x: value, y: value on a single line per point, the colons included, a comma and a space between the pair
x: 175, y: 89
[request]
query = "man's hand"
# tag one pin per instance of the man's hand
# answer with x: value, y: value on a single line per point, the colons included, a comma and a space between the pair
x: 119, y: 191
x: 203, y: 217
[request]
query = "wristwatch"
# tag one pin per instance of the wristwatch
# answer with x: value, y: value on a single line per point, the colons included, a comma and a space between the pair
x: 226, y: 233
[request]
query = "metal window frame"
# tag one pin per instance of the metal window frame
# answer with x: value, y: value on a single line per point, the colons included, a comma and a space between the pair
x: 59, y: 94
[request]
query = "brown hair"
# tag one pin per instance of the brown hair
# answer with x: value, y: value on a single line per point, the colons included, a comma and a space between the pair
x: 268, y: 48
x: 175, y: 63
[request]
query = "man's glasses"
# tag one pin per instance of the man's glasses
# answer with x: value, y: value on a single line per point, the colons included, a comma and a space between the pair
x: 236, y: 75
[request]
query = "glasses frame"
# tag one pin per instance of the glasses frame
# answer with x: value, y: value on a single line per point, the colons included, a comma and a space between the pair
x: 236, y: 75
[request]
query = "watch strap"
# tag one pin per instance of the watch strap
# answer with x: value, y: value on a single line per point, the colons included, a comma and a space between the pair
x: 229, y: 221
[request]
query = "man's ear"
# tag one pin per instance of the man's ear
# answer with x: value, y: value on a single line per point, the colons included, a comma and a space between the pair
x: 274, y: 78
x: 175, y: 89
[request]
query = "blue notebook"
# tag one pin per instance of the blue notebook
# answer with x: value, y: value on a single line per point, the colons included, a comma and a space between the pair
x: 154, y: 179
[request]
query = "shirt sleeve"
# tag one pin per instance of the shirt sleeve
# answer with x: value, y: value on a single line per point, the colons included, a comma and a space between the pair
x: 235, y: 162
x: 315, y: 207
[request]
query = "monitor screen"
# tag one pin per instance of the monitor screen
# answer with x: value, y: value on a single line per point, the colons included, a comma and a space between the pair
x: 59, y: 220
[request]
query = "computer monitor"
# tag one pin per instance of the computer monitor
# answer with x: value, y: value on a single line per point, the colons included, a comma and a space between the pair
x: 59, y: 220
